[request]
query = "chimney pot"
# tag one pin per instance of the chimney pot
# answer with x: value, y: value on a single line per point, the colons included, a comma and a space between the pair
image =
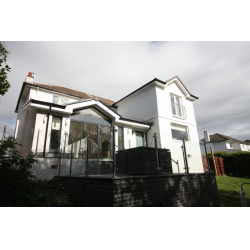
x: 29, y: 78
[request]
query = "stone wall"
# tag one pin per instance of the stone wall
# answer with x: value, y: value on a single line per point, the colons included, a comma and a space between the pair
x: 177, y: 190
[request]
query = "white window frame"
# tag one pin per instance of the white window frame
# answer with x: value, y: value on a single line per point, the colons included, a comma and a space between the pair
x: 181, y: 109
x: 187, y: 131
x: 60, y: 98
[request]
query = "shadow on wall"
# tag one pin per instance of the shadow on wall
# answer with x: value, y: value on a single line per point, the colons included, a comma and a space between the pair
x: 193, y: 190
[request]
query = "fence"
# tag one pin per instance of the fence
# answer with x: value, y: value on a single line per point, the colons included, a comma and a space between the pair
x: 143, y: 160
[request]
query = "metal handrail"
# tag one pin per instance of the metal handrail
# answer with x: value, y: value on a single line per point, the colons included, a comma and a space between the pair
x: 242, y: 196
x: 179, y: 107
x: 177, y: 163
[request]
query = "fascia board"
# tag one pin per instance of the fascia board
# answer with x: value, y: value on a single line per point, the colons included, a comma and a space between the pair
x: 132, y: 124
x: 187, y: 95
x: 34, y: 105
x: 92, y: 103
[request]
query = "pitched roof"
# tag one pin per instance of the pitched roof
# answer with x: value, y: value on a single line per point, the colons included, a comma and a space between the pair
x: 156, y: 79
x: 74, y: 92
x: 219, y: 137
x: 247, y: 142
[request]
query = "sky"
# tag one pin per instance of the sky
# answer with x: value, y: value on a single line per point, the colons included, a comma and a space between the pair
x: 216, y: 72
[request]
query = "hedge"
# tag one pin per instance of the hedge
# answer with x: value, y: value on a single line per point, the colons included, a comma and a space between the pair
x: 236, y: 164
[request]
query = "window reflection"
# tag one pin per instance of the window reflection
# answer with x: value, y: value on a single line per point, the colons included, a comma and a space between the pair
x: 92, y: 132
x: 55, y: 134
x: 104, y: 142
x: 76, y: 132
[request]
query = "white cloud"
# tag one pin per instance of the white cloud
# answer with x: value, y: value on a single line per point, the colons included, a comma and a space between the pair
x: 216, y: 72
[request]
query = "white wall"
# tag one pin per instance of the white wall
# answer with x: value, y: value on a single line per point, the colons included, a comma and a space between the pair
x: 154, y: 105
x: 140, y: 106
x: 166, y: 118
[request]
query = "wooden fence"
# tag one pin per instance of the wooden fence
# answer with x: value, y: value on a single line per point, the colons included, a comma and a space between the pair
x: 219, y: 162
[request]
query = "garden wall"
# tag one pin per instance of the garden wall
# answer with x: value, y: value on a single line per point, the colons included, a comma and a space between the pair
x: 177, y: 190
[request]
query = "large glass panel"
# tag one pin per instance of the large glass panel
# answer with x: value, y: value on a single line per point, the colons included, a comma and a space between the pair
x: 139, y: 139
x: 104, y: 142
x: 92, y: 132
x: 91, y: 112
x: 91, y: 115
x: 120, y: 138
x: 76, y: 132
x: 55, y: 134
x: 179, y: 132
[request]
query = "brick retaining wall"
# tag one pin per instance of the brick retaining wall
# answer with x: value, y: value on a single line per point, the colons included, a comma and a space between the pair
x: 188, y: 190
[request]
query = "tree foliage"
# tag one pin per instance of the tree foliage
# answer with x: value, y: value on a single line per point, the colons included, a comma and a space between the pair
x: 4, y: 84
x: 16, y: 177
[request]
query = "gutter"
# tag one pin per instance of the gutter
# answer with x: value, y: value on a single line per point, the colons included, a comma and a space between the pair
x: 146, y: 134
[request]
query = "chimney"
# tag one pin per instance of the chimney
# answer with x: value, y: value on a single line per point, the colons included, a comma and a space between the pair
x: 29, y: 78
x: 206, y: 136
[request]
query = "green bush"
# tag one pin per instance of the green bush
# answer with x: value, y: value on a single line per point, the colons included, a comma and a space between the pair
x: 18, y: 185
x: 16, y: 182
x: 236, y: 164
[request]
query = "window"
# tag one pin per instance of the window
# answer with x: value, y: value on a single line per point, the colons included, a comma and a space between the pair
x: 139, y: 139
x: 177, y: 108
x: 60, y: 100
x: 120, y: 138
x: 179, y: 132
x: 55, y: 134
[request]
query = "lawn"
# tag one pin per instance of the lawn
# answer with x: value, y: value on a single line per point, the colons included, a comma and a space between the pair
x: 229, y: 190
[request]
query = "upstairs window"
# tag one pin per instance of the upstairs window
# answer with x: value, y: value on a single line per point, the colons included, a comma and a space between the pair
x: 60, y: 100
x: 177, y: 108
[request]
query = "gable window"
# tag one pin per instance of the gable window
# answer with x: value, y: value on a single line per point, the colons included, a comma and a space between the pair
x: 60, y: 100
x: 177, y: 108
x: 179, y: 132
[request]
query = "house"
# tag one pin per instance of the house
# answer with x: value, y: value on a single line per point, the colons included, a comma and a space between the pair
x: 221, y: 142
x: 51, y: 118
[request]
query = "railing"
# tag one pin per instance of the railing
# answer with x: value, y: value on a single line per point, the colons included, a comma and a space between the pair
x: 243, y: 194
x: 178, y: 110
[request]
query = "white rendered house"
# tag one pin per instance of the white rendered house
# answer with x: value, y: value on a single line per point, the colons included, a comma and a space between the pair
x: 220, y: 142
x: 51, y: 118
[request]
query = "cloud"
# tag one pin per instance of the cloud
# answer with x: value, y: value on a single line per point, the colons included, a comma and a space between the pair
x: 216, y: 72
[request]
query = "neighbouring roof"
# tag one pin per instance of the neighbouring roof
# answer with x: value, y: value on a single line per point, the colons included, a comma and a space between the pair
x: 219, y: 137
x: 247, y: 142
x: 155, y: 79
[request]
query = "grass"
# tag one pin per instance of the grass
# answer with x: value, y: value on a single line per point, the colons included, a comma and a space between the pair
x: 229, y: 190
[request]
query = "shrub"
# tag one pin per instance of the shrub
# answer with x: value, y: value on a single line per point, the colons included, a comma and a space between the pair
x: 15, y: 175
x: 236, y: 164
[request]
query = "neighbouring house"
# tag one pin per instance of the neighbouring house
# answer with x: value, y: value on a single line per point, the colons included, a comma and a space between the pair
x: 221, y: 142
x: 50, y: 118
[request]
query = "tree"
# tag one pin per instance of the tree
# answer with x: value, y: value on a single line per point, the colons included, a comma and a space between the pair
x: 4, y: 84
